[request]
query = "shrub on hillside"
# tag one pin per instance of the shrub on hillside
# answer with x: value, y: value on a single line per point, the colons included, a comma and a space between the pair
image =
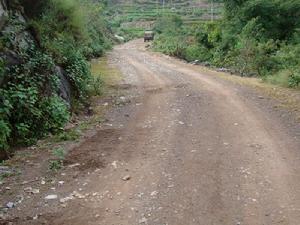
x: 170, y: 45
x: 249, y: 39
x: 67, y: 33
x: 197, y: 52
x: 29, y: 105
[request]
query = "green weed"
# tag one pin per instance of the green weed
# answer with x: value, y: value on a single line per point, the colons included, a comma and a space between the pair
x: 58, y: 162
x: 71, y: 135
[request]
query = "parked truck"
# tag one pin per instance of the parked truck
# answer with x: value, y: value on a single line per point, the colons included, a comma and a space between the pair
x: 148, y: 36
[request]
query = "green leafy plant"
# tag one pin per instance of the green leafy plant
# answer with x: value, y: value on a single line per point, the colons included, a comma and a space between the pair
x: 30, y: 106
x: 70, y: 135
x: 4, y: 136
x: 294, y: 80
x: 247, y: 40
x: 64, y: 33
x: 58, y: 162
x: 97, y: 84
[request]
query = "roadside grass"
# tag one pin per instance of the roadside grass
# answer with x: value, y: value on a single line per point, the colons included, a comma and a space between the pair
x: 100, y: 68
x: 57, y: 162
x: 68, y: 135
x: 9, y: 173
x: 281, y: 79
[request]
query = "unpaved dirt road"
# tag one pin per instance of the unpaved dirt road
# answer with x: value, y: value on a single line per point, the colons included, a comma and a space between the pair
x: 193, y: 149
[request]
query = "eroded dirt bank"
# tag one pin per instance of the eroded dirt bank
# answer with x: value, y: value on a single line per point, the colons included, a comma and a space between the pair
x: 187, y: 148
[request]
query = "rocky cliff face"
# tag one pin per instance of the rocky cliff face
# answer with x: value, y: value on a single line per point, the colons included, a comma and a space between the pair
x: 3, y: 13
x: 14, y: 28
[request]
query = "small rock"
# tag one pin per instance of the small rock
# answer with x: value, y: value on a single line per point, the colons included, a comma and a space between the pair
x: 63, y: 205
x: 195, y: 62
x: 31, y: 190
x: 74, y: 165
x: 126, y: 178
x: 114, y: 164
x: 64, y: 200
x: 224, y: 70
x: 10, y: 205
x: 4, y: 168
x: 122, y: 99
x: 35, y: 217
x: 78, y: 195
x: 154, y: 193
x: 51, y: 197
x: 35, y: 191
x: 143, y: 220
x: 19, y: 199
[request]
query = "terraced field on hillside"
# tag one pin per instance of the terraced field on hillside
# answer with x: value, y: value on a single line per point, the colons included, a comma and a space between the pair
x: 137, y: 15
x: 192, y: 11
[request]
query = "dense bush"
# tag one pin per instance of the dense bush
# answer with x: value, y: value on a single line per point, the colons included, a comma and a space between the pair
x: 29, y: 105
x: 63, y: 33
x: 171, y: 40
x: 255, y: 38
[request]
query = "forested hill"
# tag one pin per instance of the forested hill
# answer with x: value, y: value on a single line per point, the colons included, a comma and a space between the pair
x: 44, y: 73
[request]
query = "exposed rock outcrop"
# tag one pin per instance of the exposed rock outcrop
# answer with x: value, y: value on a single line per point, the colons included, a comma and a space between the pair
x: 13, y: 25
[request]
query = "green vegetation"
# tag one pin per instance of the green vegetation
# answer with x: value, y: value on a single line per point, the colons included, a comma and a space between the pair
x: 58, y: 162
x: 45, y: 47
x: 69, y: 135
x: 254, y: 38
x: 57, y: 34
x: 131, y: 18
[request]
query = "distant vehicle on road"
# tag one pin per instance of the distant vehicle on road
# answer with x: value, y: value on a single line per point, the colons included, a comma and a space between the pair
x: 148, y: 36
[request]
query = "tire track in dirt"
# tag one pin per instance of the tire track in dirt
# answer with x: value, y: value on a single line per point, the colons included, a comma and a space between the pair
x: 195, y: 149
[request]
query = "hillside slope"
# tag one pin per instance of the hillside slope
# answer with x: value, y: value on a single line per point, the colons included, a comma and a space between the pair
x: 135, y: 16
x: 44, y: 69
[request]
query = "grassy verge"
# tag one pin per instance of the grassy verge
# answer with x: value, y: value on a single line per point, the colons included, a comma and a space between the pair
x: 288, y: 98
